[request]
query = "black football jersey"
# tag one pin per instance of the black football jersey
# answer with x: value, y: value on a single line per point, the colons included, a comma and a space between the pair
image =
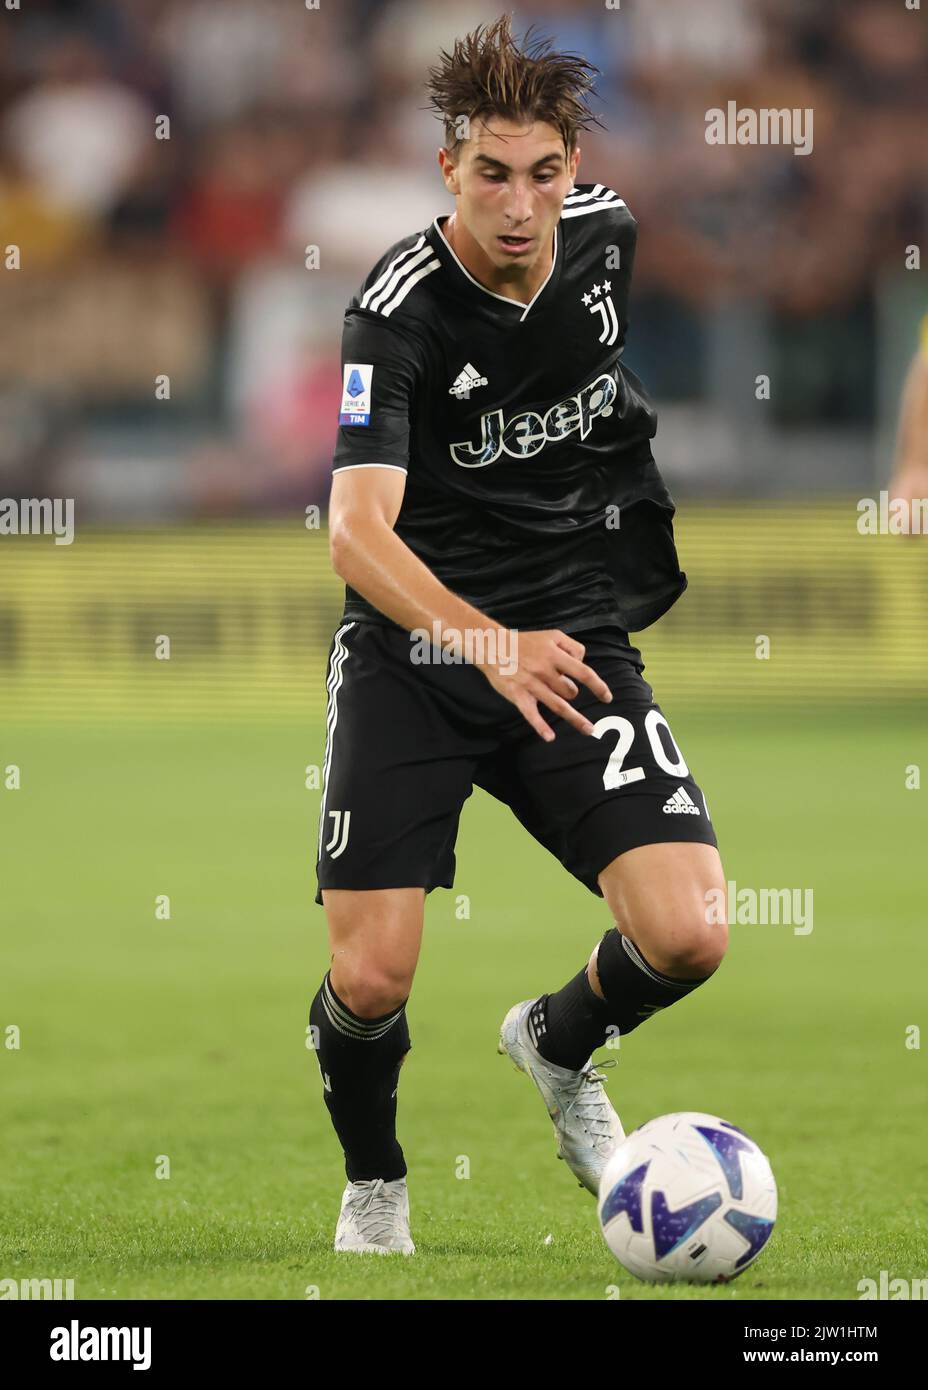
x: 531, y: 488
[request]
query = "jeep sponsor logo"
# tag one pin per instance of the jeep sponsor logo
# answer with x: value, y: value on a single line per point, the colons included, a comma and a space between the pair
x: 528, y: 432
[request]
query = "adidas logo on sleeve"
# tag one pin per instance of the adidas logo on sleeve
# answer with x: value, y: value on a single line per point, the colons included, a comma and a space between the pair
x: 681, y: 804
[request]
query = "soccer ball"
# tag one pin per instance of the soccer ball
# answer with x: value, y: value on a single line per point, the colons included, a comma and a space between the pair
x: 687, y: 1196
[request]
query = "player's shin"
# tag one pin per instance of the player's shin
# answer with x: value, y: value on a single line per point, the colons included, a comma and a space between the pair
x: 567, y: 1027
x: 360, y: 1060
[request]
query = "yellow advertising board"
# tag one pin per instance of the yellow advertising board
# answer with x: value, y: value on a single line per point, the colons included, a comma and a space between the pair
x: 786, y: 604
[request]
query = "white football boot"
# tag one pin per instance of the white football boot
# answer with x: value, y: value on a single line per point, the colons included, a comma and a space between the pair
x: 374, y: 1218
x: 586, y: 1125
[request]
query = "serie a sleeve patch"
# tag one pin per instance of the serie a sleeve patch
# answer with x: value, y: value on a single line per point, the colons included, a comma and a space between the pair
x: 357, y: 384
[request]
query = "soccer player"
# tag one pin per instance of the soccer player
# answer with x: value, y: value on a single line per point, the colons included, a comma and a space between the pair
x: 494, y: 489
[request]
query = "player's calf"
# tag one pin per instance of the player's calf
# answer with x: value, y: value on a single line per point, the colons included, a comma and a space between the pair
x: 360, y: 1059
x: 667, y: 948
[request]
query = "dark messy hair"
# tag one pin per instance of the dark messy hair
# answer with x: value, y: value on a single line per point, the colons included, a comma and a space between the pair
x: 488, y: 74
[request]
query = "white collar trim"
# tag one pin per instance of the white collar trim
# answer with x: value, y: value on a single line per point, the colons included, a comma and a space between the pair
x: 492, y: 293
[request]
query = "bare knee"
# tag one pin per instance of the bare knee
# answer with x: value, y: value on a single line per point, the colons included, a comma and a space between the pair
x: 369, y: 989
x: 659, y: 895
x: 691, y: 949
x: 682, y: 944
x: 375, y: 938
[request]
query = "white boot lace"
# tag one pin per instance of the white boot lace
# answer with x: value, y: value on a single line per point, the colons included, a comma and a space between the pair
x: 591, y: 1105
x: 373, y: 1208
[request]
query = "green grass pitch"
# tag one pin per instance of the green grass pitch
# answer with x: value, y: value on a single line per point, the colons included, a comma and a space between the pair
x: 186, y: 1037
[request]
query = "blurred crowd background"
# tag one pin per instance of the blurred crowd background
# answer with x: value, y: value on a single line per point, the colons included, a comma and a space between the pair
x: 289, y: 127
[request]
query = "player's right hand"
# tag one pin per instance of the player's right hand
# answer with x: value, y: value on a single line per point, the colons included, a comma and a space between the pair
x: 546, y: 669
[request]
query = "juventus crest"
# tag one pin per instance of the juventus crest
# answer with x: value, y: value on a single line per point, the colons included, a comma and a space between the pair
x: 599, y: 301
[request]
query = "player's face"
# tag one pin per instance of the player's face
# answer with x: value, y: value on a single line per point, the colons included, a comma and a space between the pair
x: 511, y: 180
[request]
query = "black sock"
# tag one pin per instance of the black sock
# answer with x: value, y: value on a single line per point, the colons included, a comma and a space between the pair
x: 360, y: 1060
x: 567, y: 1027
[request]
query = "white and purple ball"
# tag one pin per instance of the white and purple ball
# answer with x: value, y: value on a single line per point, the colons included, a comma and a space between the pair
x: 687, y: 1197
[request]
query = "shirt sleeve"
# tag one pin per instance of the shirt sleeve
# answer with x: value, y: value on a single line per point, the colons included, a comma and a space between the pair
x: 380, y: 374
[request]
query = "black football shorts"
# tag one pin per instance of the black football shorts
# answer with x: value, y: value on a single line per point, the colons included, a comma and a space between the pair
x: 406, y: 743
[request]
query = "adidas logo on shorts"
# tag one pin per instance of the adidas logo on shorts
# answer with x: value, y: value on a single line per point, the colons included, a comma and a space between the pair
x: 681, y: 804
